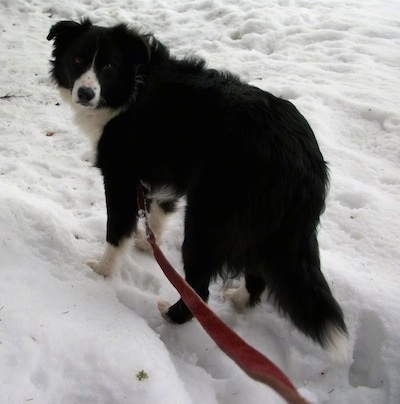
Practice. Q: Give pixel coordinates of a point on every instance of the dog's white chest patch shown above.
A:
(91, 120)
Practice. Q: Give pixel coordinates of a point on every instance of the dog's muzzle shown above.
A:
(85, 95)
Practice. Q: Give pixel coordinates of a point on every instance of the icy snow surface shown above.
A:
(69, 336)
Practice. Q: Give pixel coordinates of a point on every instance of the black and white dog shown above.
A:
(248, 163)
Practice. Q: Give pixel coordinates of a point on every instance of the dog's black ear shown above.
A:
(65, 32)
(135, 43)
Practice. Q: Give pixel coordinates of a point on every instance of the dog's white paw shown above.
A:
(92, 264)
(240, 297)
(163, 307)
(98, 268)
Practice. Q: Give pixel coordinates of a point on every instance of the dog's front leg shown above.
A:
(121, 203)
(109, 261)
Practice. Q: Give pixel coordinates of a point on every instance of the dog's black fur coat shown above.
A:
(248, 163)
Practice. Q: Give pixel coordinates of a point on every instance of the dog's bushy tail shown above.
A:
(305, 297)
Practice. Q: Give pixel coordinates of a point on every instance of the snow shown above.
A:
(68, 335)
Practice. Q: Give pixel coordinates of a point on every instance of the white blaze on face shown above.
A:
(88, 82)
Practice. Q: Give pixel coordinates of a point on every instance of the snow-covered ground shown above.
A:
(69, 336)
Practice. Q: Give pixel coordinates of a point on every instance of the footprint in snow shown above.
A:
(368, 368)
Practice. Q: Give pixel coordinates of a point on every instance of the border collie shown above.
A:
(247, 162)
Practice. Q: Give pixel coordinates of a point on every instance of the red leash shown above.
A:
(252, 362)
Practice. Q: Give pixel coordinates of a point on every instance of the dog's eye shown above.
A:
(108, 67)
(78, 60)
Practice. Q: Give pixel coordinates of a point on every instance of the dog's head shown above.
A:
(97, 66)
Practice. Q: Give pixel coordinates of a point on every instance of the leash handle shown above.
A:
(251, 361)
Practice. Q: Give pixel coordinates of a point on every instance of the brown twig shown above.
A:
(11, 95)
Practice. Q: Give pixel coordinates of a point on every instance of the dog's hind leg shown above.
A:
(200, 267)
(201, 253)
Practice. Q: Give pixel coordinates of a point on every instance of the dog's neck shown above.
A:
(90, 120)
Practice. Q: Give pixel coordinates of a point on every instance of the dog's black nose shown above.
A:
(85, 94)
